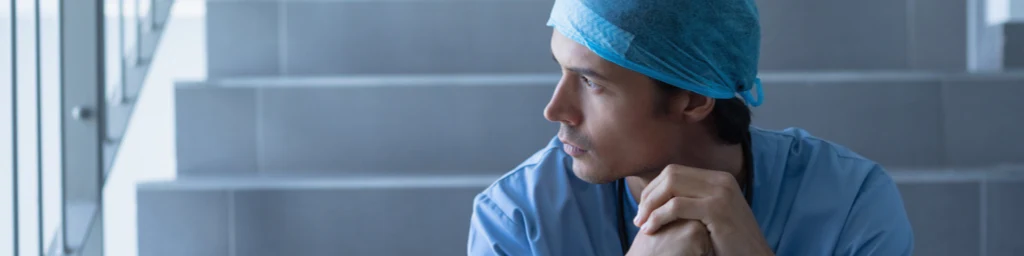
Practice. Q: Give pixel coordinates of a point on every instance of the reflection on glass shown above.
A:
(112, 27)
(131, 27)
(51, 120)
(145, 14)
(6, 152)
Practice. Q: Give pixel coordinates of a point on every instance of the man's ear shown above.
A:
(692, 107)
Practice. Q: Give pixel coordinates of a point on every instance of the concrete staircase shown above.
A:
(337, 127)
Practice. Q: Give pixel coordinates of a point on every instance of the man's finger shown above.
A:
(654, 183)
(657, 195)
(676, 209)
(681, 182)
(641, 214)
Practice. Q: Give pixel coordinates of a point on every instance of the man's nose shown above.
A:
(563, 105)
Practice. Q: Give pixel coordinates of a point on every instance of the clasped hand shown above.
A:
(691, 211)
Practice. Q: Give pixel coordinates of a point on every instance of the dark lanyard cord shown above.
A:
(748, 192)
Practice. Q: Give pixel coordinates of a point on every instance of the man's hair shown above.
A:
(730, 117)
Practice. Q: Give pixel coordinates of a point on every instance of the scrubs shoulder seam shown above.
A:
(512, 180)
(486, 200)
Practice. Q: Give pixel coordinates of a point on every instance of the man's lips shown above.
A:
(572, 149)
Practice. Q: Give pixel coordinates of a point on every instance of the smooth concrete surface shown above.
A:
(297, 37)
(1013, 58)
(468, 124)
(953, 212)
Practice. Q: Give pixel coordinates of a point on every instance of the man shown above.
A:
(656, 155)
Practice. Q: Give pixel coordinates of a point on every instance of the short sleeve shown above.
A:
(492, 232)
(877, 223)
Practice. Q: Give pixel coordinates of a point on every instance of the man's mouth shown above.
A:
(573, 150)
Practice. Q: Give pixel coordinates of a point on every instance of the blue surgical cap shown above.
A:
(709, 47)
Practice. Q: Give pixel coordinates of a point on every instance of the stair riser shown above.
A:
(305, 222)
(398, 37)
(949, 217)
(472, 129)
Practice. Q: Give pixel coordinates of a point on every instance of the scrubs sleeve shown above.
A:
(877, 223)
(492, 232)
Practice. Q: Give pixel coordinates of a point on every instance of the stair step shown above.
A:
(509, 36)
(351, 182)
(445, 128)
(950, 209)
(424, 125)
(316, 218)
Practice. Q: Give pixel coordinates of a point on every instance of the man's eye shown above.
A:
(590, 84)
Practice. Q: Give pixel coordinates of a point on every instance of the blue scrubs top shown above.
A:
(811, 197)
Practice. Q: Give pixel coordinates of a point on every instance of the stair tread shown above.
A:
(242, 182)
(321, 182)
(547, 78)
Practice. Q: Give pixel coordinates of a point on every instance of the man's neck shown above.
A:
(726, 158)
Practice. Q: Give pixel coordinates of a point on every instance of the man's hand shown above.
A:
(711, 197)
(679, 238)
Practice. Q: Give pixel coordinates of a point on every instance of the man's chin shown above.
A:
(592, 175)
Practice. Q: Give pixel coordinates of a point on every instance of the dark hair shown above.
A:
(730, 117)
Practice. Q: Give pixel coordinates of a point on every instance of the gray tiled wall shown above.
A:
(506, 36)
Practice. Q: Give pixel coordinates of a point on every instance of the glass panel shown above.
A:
(27, 128)
(6, 152)
(145, 15)
(50, 82)
(130, 30)
(81, 21)
(114, 68)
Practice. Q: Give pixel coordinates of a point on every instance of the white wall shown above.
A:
(147, 152)
(997, 11)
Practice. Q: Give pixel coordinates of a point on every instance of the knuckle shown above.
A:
(671, 177)
(722, 179)
(655, 218)
(676, 204)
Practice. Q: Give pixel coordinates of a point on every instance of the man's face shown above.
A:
(609, 121)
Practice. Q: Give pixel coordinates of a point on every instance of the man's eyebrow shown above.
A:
(587, 72)
(583, 71)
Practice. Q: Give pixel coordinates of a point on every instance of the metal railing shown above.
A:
(102, 50)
